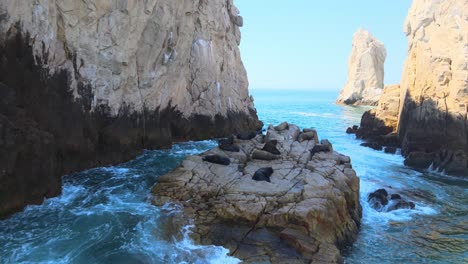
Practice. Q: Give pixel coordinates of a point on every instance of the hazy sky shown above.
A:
(305, 44)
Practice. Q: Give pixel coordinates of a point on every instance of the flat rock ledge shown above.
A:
(307, 212)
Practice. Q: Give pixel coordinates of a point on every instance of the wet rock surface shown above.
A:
(382, 201)
(304, 208)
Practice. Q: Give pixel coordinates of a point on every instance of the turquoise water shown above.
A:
(104, 214)
(436, 232)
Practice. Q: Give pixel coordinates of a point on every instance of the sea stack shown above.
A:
(432, 122)
(90, 83)
(365, 71)
(300, 207)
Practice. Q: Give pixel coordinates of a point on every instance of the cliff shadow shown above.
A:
(426, 134)
(45, 132)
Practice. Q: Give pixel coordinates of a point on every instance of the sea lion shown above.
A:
(226, 141)
(307, 136)
(229, 147)
(282, 126)
(217, 159)
(319, 148)
(246, 135)
(270, 147)
(274, 142)
(263, 174)
(263, 155)
(327, 143)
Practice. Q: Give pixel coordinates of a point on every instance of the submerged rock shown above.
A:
(293, 209)
(381, 201)
(352, 130)
(390, 150)
(372, 145)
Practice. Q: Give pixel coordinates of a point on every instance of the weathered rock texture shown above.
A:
(432, 113)
(379, 125)
(308, 211)
(87, 83)
(365, 71)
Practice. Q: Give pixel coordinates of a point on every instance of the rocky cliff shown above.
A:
(365, 71)
(87, 83)
(432, 110)
(279, 198)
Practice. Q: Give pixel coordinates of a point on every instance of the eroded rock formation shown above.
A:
(87, 83)
(307, 209)
(432, 112)
(365, 71)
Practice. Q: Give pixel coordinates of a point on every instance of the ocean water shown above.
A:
(104, 214)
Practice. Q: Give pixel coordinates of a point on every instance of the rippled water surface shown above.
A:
(436, 232)
(104, 214)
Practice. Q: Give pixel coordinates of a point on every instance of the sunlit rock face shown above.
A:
(87, 83)
(434, 87)
(269, 197)
(431, 117)
(141, 54)
(365, 71)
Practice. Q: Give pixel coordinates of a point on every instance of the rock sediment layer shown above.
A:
(365, 71)
(306, 210)
(89, 83)
(433, 102)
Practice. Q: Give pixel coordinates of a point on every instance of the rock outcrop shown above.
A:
(365, 71)
(379, 125)
(381, 201)
(432, 122)
(87, 83)
(301, 206)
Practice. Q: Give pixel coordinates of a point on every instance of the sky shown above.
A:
(305, 44)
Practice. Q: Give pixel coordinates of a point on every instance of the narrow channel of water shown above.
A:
(435, 232)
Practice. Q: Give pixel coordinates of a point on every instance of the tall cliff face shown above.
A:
(365, 71)
(432, 112)
(433, 118)
(86, 83)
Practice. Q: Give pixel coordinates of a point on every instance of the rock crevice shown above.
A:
(308, 209)
(93, 83)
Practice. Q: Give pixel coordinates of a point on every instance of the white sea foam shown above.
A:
(116, 170)
(210, 254)
(311, 114)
